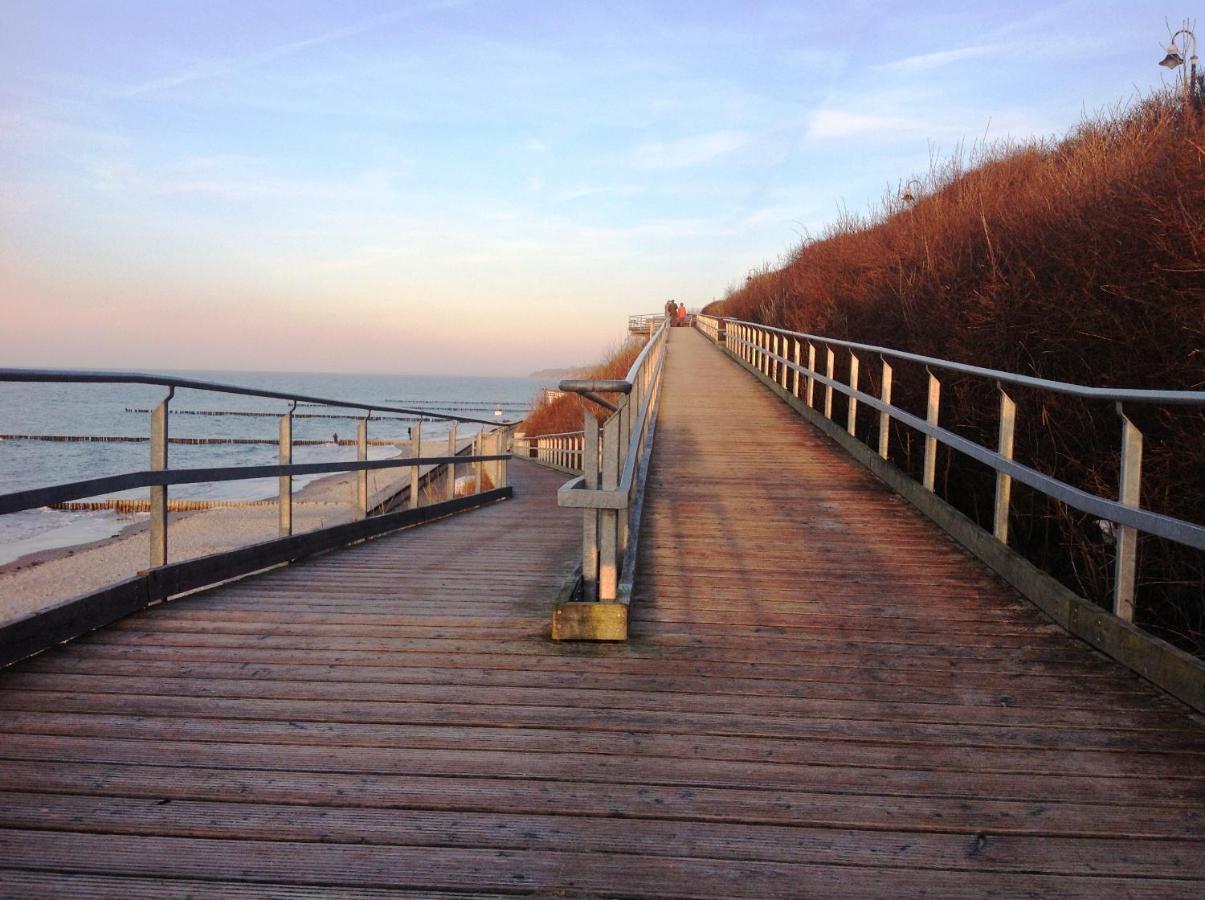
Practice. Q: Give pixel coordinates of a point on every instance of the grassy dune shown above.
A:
(565, 413)
(1077, 260)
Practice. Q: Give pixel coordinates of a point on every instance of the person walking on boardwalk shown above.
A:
(670, 310)
(681, 314)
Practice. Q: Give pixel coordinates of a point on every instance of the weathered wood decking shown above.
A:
(823, 697)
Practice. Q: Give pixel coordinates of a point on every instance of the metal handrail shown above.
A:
(83, 376)
(551, 434)
(1121, 395)
(561, 450)
(765, 349)
(35, 498)
(159, 476)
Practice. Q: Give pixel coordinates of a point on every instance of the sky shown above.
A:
(450, 186)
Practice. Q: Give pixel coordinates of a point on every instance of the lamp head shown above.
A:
(1173, 57)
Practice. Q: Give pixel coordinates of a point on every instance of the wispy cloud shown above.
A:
(926, 61)
(689, 151)
(839, 123)
(217, 68)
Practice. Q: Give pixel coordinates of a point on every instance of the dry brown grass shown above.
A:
(565, 412)
(1079, 260)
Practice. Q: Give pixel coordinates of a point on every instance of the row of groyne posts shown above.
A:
(432, 464)
(610, 462)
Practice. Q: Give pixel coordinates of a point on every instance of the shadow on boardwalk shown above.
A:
(823, 697)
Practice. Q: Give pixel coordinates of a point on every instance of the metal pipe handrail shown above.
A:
(82, 376)
(1121, 395)
(34, 498)
(551, 434)
(614, 385)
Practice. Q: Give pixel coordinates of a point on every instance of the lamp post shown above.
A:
(1175, 59)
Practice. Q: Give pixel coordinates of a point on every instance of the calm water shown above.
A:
(105, 410)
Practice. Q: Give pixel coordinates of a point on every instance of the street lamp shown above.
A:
(1175, 59)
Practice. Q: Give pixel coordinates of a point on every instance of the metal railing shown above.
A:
(644, 323)
(790, 360)
(489, 453)
(614, 465)
(715, 328)
(561, 451)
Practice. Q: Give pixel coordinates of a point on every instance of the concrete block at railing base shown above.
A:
(590, 622)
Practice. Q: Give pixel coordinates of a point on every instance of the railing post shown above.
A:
(811, 380)
(930, 470)
(479, 466)
(775, 343)
(362, 474)
(830, 367)
(504, 450)
(608, 542)
(852, 420)
(796, 358)
(285, 504)
(451, 473)
(884, 416)
(1127, 538)
(625, 434)
(590, 516)
(416, 448)
(783, 363)
(1004, 483)
(158, 530)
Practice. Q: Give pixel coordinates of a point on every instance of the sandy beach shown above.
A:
(42, 579)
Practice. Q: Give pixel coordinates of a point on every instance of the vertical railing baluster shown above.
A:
(158, 524)
(450, 479)
(884, 416)
(1004, 482)
(811, 378)
(1130, 493)
(785, 369)
(830, 368)
(796, 357)
(416, 449)
(362, 474)
(852, 419)
(931, 416)
(285, 482)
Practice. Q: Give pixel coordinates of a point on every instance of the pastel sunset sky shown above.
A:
(477, 187)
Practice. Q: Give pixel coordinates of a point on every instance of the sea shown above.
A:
(122, 410)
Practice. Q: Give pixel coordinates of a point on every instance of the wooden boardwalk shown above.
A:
(823, 697)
